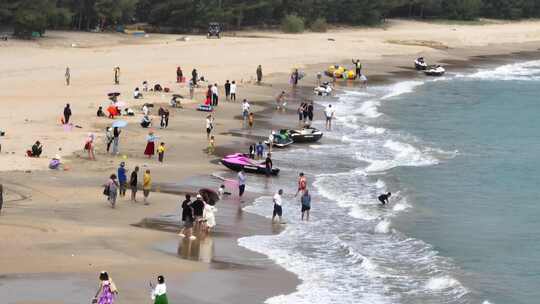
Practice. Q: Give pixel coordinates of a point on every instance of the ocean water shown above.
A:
(460, 155)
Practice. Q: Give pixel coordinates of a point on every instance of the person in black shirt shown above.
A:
(198, 210)
(227, 90)
(187, 218)
(310, 113)
(383, 198)
(194, 76)
(133, 184)
(67, 114)
(268, 164)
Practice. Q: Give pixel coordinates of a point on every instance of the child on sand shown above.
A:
(161, 152)
(251, 120)
(147, 185)
(211, 145)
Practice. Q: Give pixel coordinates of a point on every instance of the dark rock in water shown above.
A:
(28, 171)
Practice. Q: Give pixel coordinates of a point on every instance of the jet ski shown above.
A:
(436, 70)
(280, 140)
(420, 64)
(324, 89)
(239, 161)
(305, 135)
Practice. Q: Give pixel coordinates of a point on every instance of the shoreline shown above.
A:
(391, 71)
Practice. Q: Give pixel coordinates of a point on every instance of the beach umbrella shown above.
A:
(177, 96)
(113, 94)
(119, 124)
(210, 196)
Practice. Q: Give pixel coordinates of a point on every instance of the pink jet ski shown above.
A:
(239, 161)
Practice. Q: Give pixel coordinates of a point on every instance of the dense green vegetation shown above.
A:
(26, 16)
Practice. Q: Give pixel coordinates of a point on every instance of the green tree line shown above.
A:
(186, 15)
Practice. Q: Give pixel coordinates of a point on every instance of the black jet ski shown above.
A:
(305, 135)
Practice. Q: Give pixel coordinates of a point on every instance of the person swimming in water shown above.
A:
(383, 198)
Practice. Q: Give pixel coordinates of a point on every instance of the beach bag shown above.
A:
(106, 191)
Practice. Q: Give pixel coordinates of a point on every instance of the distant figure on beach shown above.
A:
(306, 204)
(35, 150)
(309, 110)
(137, 93)
(241, 183)
(191, 89)
(209, 217)
(251, 120)
(209, 125)
(259, 74)
(211, 145)
(383, 198)
(150, 144)
(319, 79)
(99, 112)
(278, 201)
(194, 76)
(208, 101)
(159, 293)
(161, 152)
(133, 181)
(117, 75)
(227, 90)
(252, 151)
(187, 218)
(145, 86)
(147, 185)
(245, 110)
(146, 121)
(107, 290)
(233, 90)
(302, 184)
(67, 113)
(179, 75)
(301, 109)
(215, 95)
(198, 211)
(259, 149)
(122, 179)
(268, 164)
(89, 146)
(164, 115)
(111, 190)
(280, 100)
(116, 141)
(68, 76)
(294, 78)
(357, 66)
(329, 114)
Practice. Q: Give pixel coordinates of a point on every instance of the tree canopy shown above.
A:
(187, 15)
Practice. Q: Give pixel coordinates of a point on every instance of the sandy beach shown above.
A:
(58, 231)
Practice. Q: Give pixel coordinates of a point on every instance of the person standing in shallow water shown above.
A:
(241, 183)
(278, 211)
(383, 198)
(306, 204)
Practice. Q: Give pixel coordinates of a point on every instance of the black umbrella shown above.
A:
(209, 196)
(113, 94)
(177, 96)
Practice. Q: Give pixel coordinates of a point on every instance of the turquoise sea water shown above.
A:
(461, 157)
(480, 208)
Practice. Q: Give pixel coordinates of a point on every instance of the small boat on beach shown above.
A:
(239, 161)
(280, 140)
(420, 64)
(436, 70)
(305, 135)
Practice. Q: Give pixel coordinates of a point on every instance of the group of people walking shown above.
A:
(118, 184)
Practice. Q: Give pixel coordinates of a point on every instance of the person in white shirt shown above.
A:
(215, 95)
(137, 94)
(233, 91)
(159, 293)
(245, 109)
(278, 211)
(145, 110)
(329, 114)
(209, 125)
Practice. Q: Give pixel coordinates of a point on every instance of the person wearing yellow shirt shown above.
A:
(147, 185)
(161, 152)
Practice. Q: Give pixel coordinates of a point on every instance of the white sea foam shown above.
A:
(383, 226)
(524, 71)
(401, 88)
(442, 283)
